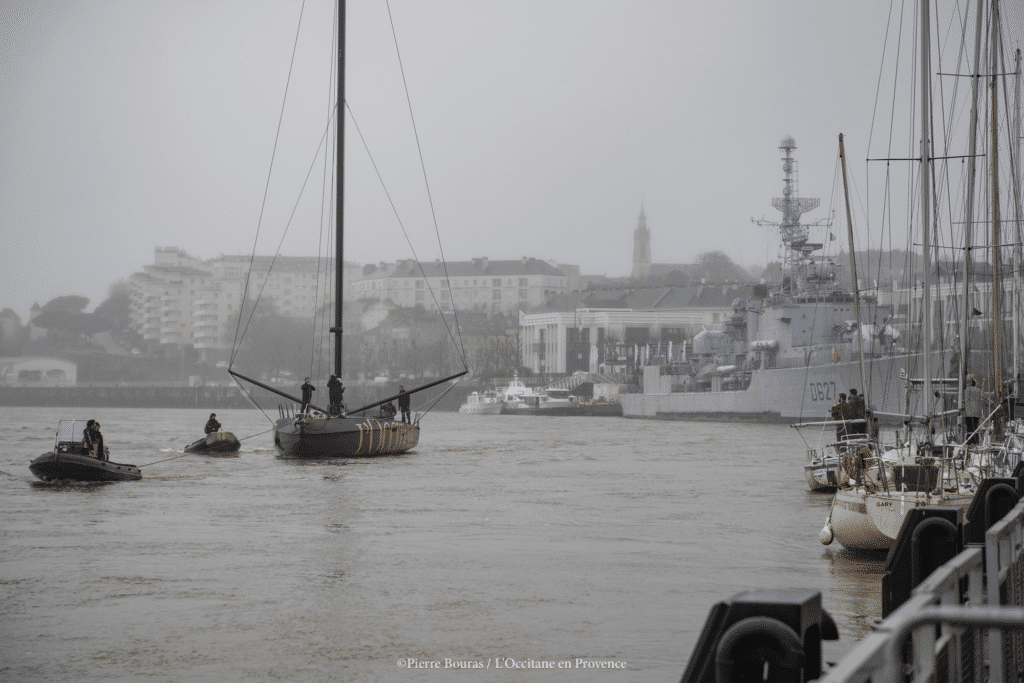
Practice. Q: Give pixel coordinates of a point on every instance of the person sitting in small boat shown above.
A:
(212, 425)
(335, 393)
(387, 410)
(93, 440)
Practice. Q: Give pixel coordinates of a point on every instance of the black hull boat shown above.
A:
(77, 467)
(308, 436)
(70, 460)
(334, 433)
(217, 443)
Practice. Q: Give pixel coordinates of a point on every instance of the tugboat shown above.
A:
(70, 459)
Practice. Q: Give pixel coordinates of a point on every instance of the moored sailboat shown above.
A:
(931, 463)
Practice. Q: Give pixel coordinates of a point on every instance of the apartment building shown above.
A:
(479, 285)
(182, 301)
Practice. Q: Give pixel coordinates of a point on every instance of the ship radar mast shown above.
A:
(797, 249)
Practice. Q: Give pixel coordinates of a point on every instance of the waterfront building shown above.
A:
(37, 372)
(479, 285)
(600, 331)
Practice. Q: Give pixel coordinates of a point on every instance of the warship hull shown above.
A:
(783, 395)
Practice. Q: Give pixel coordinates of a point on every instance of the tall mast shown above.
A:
(339, 241)
(993, 50)
(926, 227)
(1015, 188)
(853, 270)
(967, 306)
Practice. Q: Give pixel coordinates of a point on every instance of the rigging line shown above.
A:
(878, 86)
(266, 188)
(160, 461)
(430, 404)
(249, 397)
(251, 436)
(287, 227)
(401, 226)
(426, 183)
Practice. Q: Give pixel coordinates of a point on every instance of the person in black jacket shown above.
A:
(307, 395)
(403, 404)
(93, 440)
(336, 392)
(212, 425)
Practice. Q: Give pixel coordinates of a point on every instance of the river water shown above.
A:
(499, 539)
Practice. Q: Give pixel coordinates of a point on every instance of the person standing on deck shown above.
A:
(335, 392)
(973, 408)
(841, 412)
(859, 412)
(307, 395)
(403, 404)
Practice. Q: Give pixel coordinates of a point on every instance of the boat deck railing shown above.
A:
(965, 622)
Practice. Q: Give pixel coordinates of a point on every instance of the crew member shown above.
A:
(841, 412)
(212, 425)
(307, 395)
(403, 404)
(335, 392)
(859, 413)
(93, 440)
(387, 410)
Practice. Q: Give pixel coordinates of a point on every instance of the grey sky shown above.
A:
(130, 125)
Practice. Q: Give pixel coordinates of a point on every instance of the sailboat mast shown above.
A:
(926, 228)
(1018, 258)
(853, 269)
(994, 157)
(339, 217)
(972, 152)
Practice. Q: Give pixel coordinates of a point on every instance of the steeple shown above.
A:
(641, 247)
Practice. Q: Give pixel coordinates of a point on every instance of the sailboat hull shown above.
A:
(851, 524)
(343, 437)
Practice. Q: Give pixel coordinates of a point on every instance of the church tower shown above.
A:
(641, 248)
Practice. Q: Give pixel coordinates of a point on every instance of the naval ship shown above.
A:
(787, 351)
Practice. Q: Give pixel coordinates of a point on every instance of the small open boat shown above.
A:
(70, 461)
(216, 443)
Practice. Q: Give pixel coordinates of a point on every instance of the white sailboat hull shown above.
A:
(852, 525)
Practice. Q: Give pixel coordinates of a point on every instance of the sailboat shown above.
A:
(927, 466)
(318, 432)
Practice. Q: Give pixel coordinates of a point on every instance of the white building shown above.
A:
(38, 372)
(182, 301)
(477, 285)
(587, 331)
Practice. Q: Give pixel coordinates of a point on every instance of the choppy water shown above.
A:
(500, 537)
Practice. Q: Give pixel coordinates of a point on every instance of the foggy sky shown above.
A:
(125, 126)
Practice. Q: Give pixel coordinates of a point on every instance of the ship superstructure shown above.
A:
(787, 351)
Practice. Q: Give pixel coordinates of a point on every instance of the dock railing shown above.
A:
(939, 633)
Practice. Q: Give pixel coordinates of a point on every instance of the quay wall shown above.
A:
(125, 396)
(179, 395)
